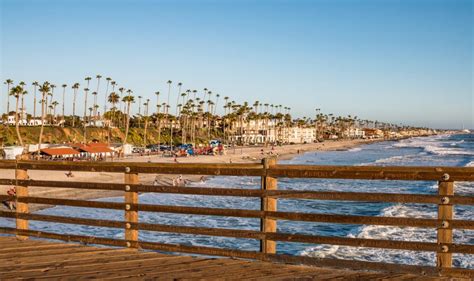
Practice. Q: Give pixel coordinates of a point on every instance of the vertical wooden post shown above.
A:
(131, 213)
(445, 231)
(21, 208)
(268, 204)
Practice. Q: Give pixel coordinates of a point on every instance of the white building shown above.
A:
(11, 152)
(301, 135)
(12, 121)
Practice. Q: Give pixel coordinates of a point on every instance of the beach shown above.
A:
(251, 154)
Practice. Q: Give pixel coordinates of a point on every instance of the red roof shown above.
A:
(98, 144)
(98, 149)
(59, 151)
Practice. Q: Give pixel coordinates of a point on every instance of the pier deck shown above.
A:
(42, 259)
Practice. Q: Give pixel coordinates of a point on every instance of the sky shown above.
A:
(403, 61)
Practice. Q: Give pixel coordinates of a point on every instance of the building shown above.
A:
(11, 152)
(301, 134)
(59, 152)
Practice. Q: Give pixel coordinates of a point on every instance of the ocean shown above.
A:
(441, 150)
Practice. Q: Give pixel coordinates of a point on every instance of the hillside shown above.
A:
(58, 135)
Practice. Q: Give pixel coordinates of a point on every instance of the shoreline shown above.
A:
(238, 155)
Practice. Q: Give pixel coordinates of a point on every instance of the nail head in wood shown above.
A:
(444, 248)
(445, 177)
(445, 224)
(445, 200)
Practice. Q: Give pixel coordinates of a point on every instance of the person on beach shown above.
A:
(11, 204)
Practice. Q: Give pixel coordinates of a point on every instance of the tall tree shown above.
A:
(22, 111)
(44, 89)
(108, 79)
(35, 86)
(16, 92)
(64, 94)
(98, 76)
(75, 87)
(146, 121)
(8, 82)
(139, 110)
(54, 104)
(113, 99)
(86, 90)
(127, 100)
(51, 95)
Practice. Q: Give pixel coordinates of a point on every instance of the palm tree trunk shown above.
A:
(42, 125)
(74, 108)
(17, 124)
(34, 104)
(127, 125)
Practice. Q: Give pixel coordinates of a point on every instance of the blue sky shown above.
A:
(397, 61)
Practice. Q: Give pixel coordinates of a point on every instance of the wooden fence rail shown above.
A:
(268, 215)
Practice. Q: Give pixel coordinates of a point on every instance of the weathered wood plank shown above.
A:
(373, 172)
(268, 204)
(131, 215)
(21, 208)
(444, 258)
(98, 267)
(153, 168)
(75, 259)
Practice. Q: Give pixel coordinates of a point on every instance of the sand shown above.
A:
(239, 155)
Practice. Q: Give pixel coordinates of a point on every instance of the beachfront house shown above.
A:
(301, 134)
(11, 152)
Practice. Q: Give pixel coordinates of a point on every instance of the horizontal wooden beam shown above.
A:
(373, 266)
(370, 243)
(257, 193)
(223, 232)
(250, 234)
(373, 172)
(137, 167)
(310, 217)
(255, 169)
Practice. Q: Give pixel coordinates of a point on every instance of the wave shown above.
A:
(355, 149)
(400, 234)
(440, 150)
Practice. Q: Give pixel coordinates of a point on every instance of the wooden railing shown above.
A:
(269, 171)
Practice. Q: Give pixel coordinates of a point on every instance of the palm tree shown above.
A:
(8, 82)
(35, 85)
(22, 84)
(94, 105)
(139, 110)
(127, 100)
(98, 76)
(53, 105)
(106, 93)
(113, 99)
(74, 87)
(64, 93)
(168, 102)
(16, 92)
(157, 107)
(146, 120)
(51, 94)
(121, 90)
(44, 89)
(86, 90)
